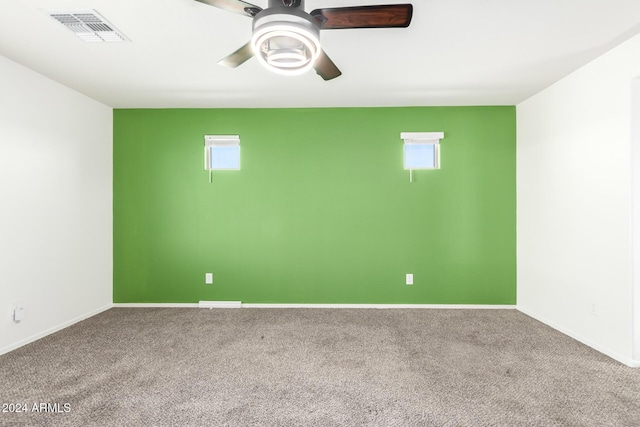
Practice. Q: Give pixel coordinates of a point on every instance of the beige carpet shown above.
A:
(315, 367)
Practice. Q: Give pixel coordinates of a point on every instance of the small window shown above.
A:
(221, 152)
(421, 155)
(421, 150)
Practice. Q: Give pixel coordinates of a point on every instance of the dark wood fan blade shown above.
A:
(235, 6)
(238, 57)
(382, 16)
(325, 67)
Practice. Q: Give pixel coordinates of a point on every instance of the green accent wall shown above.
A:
(321, 211)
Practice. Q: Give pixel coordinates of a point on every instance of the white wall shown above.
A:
(635, 220)
(574, 192)
(55, 205)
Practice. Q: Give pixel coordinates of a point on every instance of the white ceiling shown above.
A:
(455, 52)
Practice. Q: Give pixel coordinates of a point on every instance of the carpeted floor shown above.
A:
(315, 367)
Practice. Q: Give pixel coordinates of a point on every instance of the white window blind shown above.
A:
(421, 150)
(221, 152)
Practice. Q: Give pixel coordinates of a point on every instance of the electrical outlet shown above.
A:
(409, 279)
(18, 314)
(208, 279)
(594, 309)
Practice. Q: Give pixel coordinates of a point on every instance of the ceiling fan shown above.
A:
(286, 39)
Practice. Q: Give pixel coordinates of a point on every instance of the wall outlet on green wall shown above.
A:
(208, 279)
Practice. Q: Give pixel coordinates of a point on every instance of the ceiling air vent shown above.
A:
(89, 26)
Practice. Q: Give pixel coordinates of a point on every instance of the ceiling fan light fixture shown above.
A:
(286, 58)
(285, 43)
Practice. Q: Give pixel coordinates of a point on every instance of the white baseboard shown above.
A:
(224, 304)
(52, 330)
(220, 304)
(154, 305)
(620, 358)
(379, 306)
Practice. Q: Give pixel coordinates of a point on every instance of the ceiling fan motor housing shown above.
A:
(286, 39)
(297, 4)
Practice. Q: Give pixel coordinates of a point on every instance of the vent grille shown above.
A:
(89, 26)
